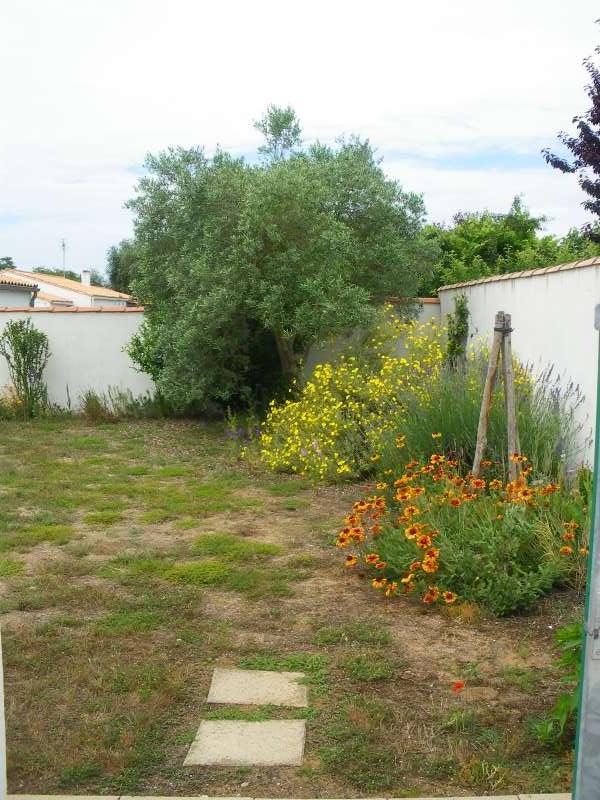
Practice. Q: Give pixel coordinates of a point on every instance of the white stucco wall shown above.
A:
(16, 298)
(553, 321)
(87, 351)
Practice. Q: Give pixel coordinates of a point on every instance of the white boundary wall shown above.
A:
(553, 320)
(87, 348)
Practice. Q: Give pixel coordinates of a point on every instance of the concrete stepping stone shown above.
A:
(257, 687)
(232, 743)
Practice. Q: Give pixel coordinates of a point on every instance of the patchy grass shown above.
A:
(9, 566)
(234, 548)
(523, 678)
(102, 518)
(129, 622)
(138, 556)
(353, 633)
(367, 667)
(289, 487)
(27, 537)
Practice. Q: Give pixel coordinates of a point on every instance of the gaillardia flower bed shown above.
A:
(447, 536)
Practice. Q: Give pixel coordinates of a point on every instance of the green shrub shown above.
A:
(26, 352)
(458, 332)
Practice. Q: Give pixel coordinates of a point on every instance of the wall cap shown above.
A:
(73, 310)
(528, 273)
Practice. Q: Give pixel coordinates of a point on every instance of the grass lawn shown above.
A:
(136, 557)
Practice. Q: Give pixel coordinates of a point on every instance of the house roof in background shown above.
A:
(8, 278)
(67, 283)
(528, 273)
(54, 298)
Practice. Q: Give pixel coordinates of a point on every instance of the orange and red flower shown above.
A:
(411, 511)
(429, 565)
(431, 595)
(412, 531)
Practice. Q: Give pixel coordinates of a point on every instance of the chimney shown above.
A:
(85, 277)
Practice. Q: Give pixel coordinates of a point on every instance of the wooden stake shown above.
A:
(510, 400)
(488, 389)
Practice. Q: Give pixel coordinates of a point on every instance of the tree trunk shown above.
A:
(287, 356)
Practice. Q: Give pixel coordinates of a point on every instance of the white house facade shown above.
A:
(15, 291)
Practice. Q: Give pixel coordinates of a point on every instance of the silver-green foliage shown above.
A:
(242, 266)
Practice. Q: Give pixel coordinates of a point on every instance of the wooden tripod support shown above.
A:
(501, 344)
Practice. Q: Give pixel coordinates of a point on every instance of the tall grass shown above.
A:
(550, 434)
(116, 404)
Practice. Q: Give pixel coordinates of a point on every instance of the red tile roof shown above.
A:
(9, 278)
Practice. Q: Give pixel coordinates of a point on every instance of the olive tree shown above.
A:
(242, 267)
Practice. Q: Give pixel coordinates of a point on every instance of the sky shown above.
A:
(458, 97)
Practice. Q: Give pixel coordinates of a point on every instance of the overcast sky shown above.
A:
(459, 98)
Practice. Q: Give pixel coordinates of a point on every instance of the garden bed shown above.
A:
(138, 556)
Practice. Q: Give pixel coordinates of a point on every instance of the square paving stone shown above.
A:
(242, 744)
(257, 687)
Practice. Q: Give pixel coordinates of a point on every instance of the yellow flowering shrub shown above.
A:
(335, 428)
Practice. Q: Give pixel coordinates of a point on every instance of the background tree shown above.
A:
(584, 146)
(243, 267)
(6, 262)
(482, 244)
(120, 265)
(282, 131)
